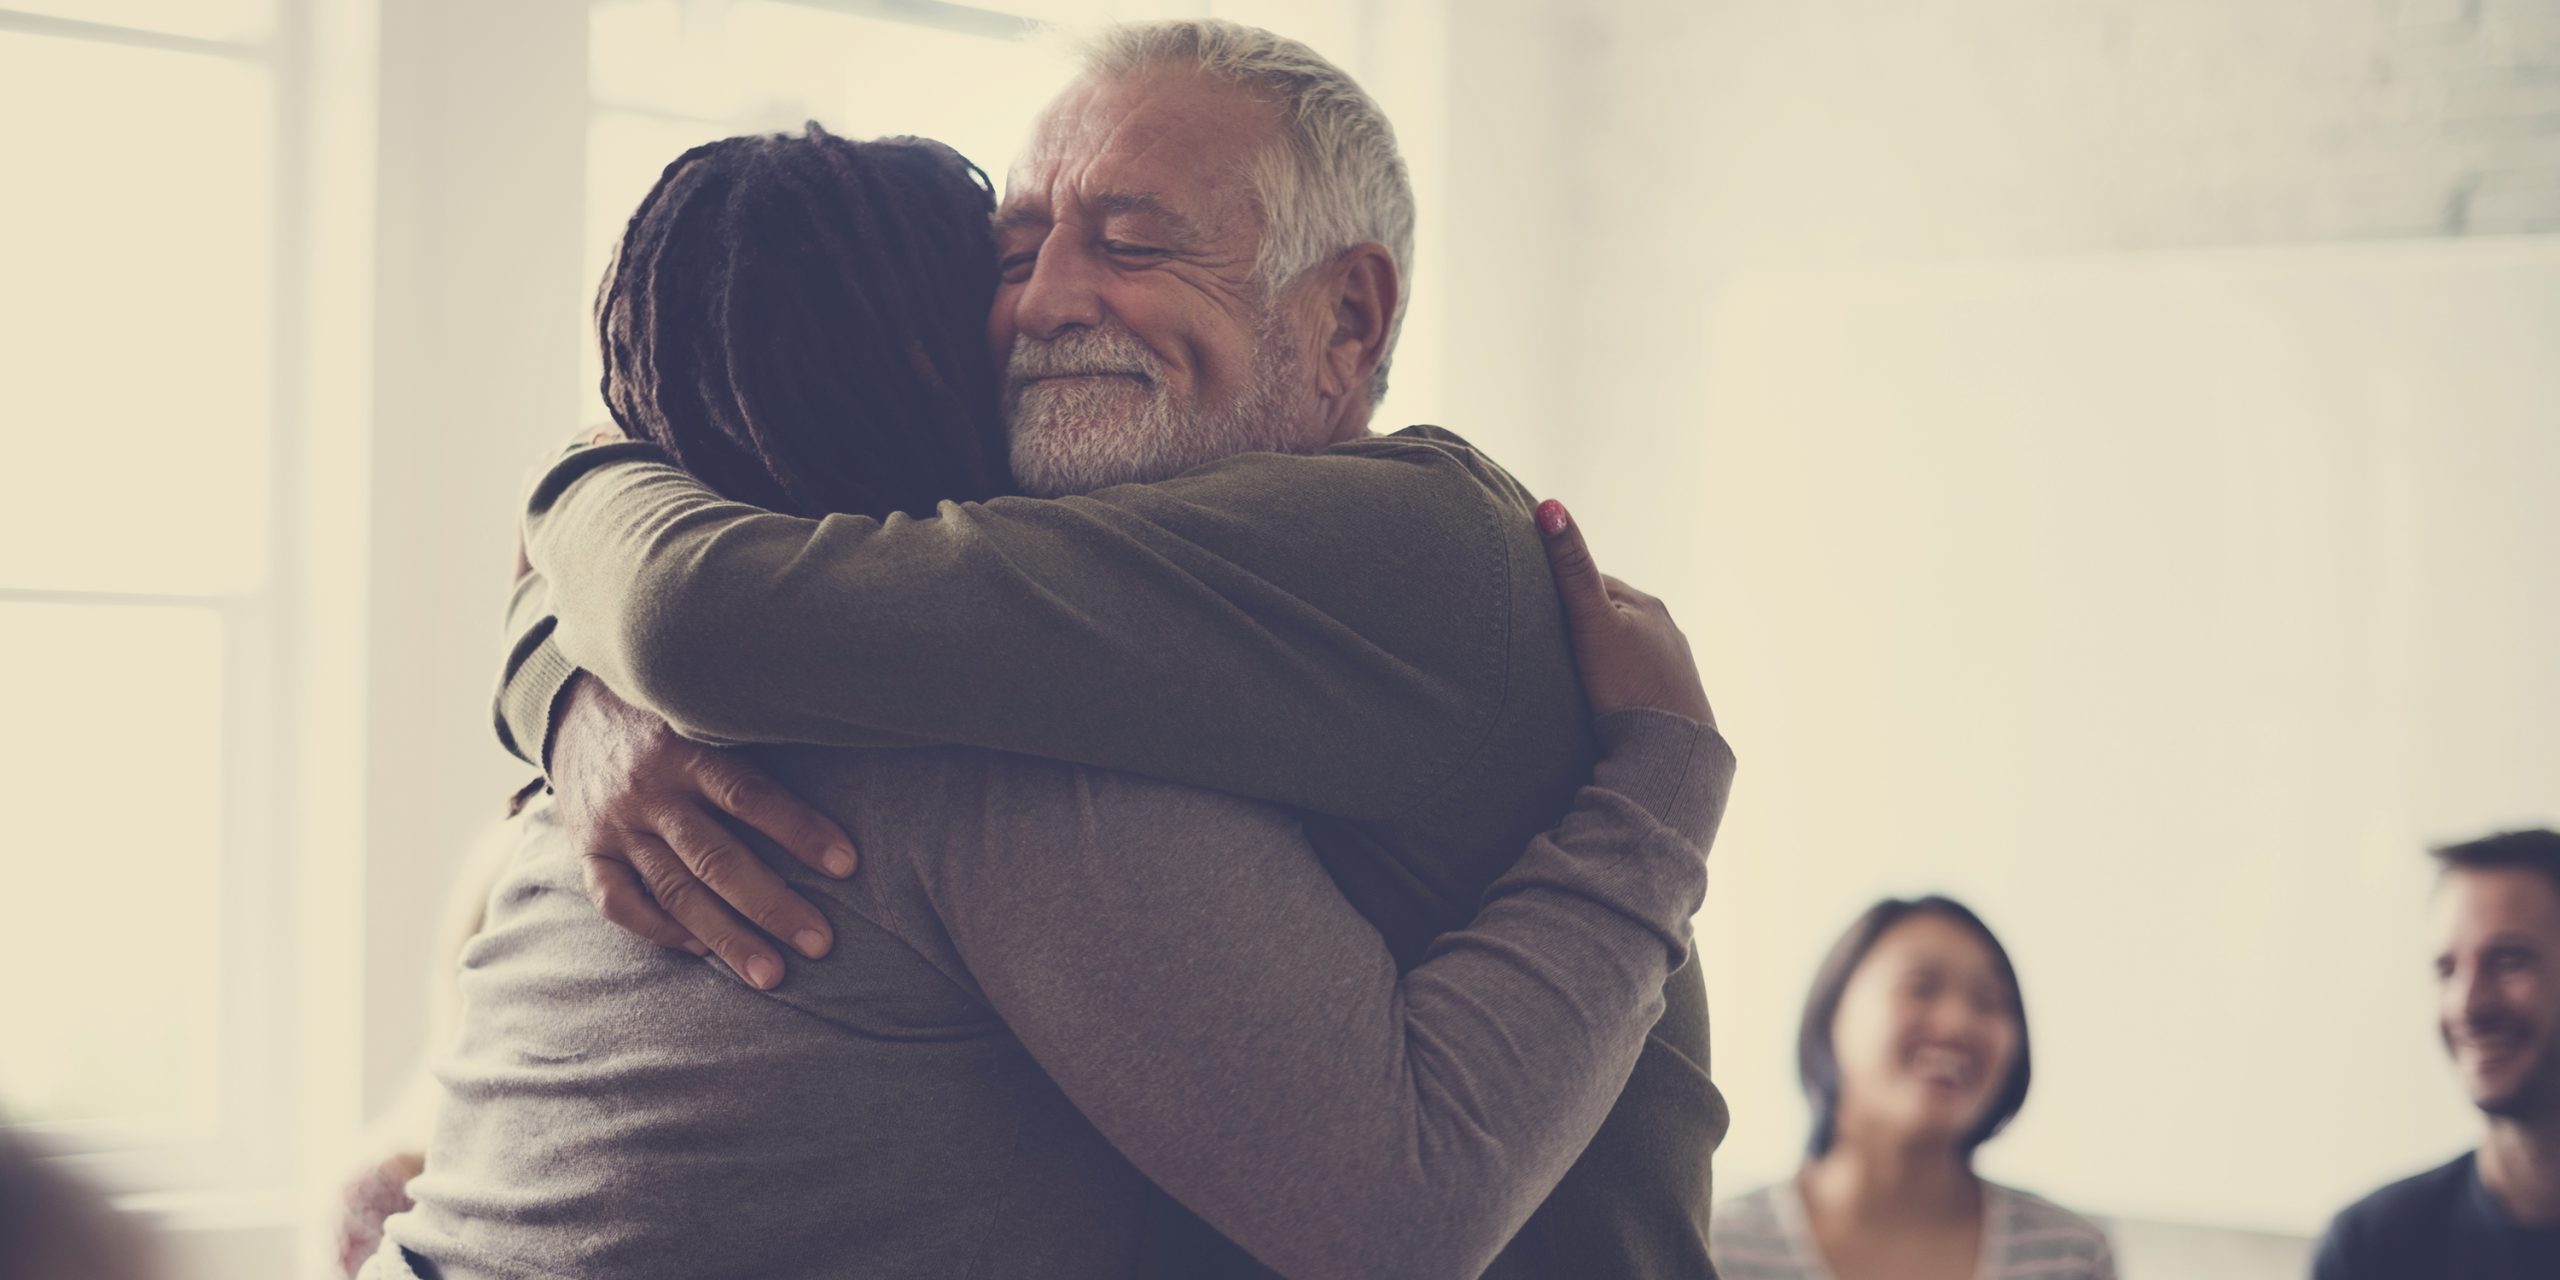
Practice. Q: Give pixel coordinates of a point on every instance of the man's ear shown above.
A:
(1364, 288)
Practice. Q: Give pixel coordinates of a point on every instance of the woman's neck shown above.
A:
(1880, 1181)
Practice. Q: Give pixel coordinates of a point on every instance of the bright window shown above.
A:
(140, 262)
(233, 20)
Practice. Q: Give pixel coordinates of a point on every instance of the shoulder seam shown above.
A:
(1499, 642)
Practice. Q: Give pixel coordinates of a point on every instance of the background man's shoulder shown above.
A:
(2434, 1193)
(2396, 1225)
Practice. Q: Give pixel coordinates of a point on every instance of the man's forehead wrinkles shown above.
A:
(1115, 202)
(1022, 213)
(1151, 135)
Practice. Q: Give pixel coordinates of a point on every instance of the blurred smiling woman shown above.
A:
(1913, 1053)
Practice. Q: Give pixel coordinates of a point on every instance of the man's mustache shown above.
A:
(1084, 352)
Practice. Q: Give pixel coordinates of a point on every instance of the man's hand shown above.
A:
(644, 807)
(1630, 652)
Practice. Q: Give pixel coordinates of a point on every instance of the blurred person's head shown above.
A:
(55, 1227)
(1914, 1032)
(799, 321)
(2498, 971)
(1205, 253)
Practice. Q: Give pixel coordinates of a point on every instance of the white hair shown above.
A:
(1335, 180)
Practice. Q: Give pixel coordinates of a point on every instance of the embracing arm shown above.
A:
(1243, 1036)
(700, 789)
(535, 672)
(1232, 1026)
(1326, 631)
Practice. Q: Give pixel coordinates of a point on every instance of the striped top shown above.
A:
(1766, 1235)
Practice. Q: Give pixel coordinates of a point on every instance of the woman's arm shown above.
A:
(1242, 1035)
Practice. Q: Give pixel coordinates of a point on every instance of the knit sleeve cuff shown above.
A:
(1677, 769)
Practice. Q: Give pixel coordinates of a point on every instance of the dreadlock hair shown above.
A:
(800, 321)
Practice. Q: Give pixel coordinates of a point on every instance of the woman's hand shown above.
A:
(1630, 653)
(369, 1198)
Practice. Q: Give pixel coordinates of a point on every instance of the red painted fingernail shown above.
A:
(1551, 518)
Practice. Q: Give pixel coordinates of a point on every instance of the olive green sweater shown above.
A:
(1368, 635)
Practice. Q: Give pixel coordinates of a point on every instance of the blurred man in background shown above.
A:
(2493, 1213)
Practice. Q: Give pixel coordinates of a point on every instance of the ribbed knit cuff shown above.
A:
(530, 702)
(1675, 768)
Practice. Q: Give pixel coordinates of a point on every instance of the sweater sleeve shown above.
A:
(1236, 1030)
(533, 676)
(1325, 631)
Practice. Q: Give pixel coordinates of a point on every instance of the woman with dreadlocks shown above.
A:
(1053, 989)
(800, 323)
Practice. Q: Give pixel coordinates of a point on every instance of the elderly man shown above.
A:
(1204, 260)
(2493, 1213)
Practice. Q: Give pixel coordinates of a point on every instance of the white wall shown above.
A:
(1691, 140)
(1864, 350)
(481, 181)
(1829, 128)
(2164, 609)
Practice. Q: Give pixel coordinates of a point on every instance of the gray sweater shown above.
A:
(1052, 984)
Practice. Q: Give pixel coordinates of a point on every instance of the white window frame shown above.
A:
(257, 743)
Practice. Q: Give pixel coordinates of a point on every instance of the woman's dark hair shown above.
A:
(800, 321)
(1818, 1064)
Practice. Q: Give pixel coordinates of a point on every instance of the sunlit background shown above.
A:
(2103, 450)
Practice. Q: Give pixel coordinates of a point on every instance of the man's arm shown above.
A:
(1236, 1030)
(534, 674)
(1325, 631)
(697, 790)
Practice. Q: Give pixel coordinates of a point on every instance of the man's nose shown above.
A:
(1063, 293)
(2474, 996)
(2482, 1000)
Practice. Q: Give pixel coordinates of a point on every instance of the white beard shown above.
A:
(1083, 434)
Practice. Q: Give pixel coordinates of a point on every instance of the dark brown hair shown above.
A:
(800, 321)
(2533, 850)
(1818, 1063)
